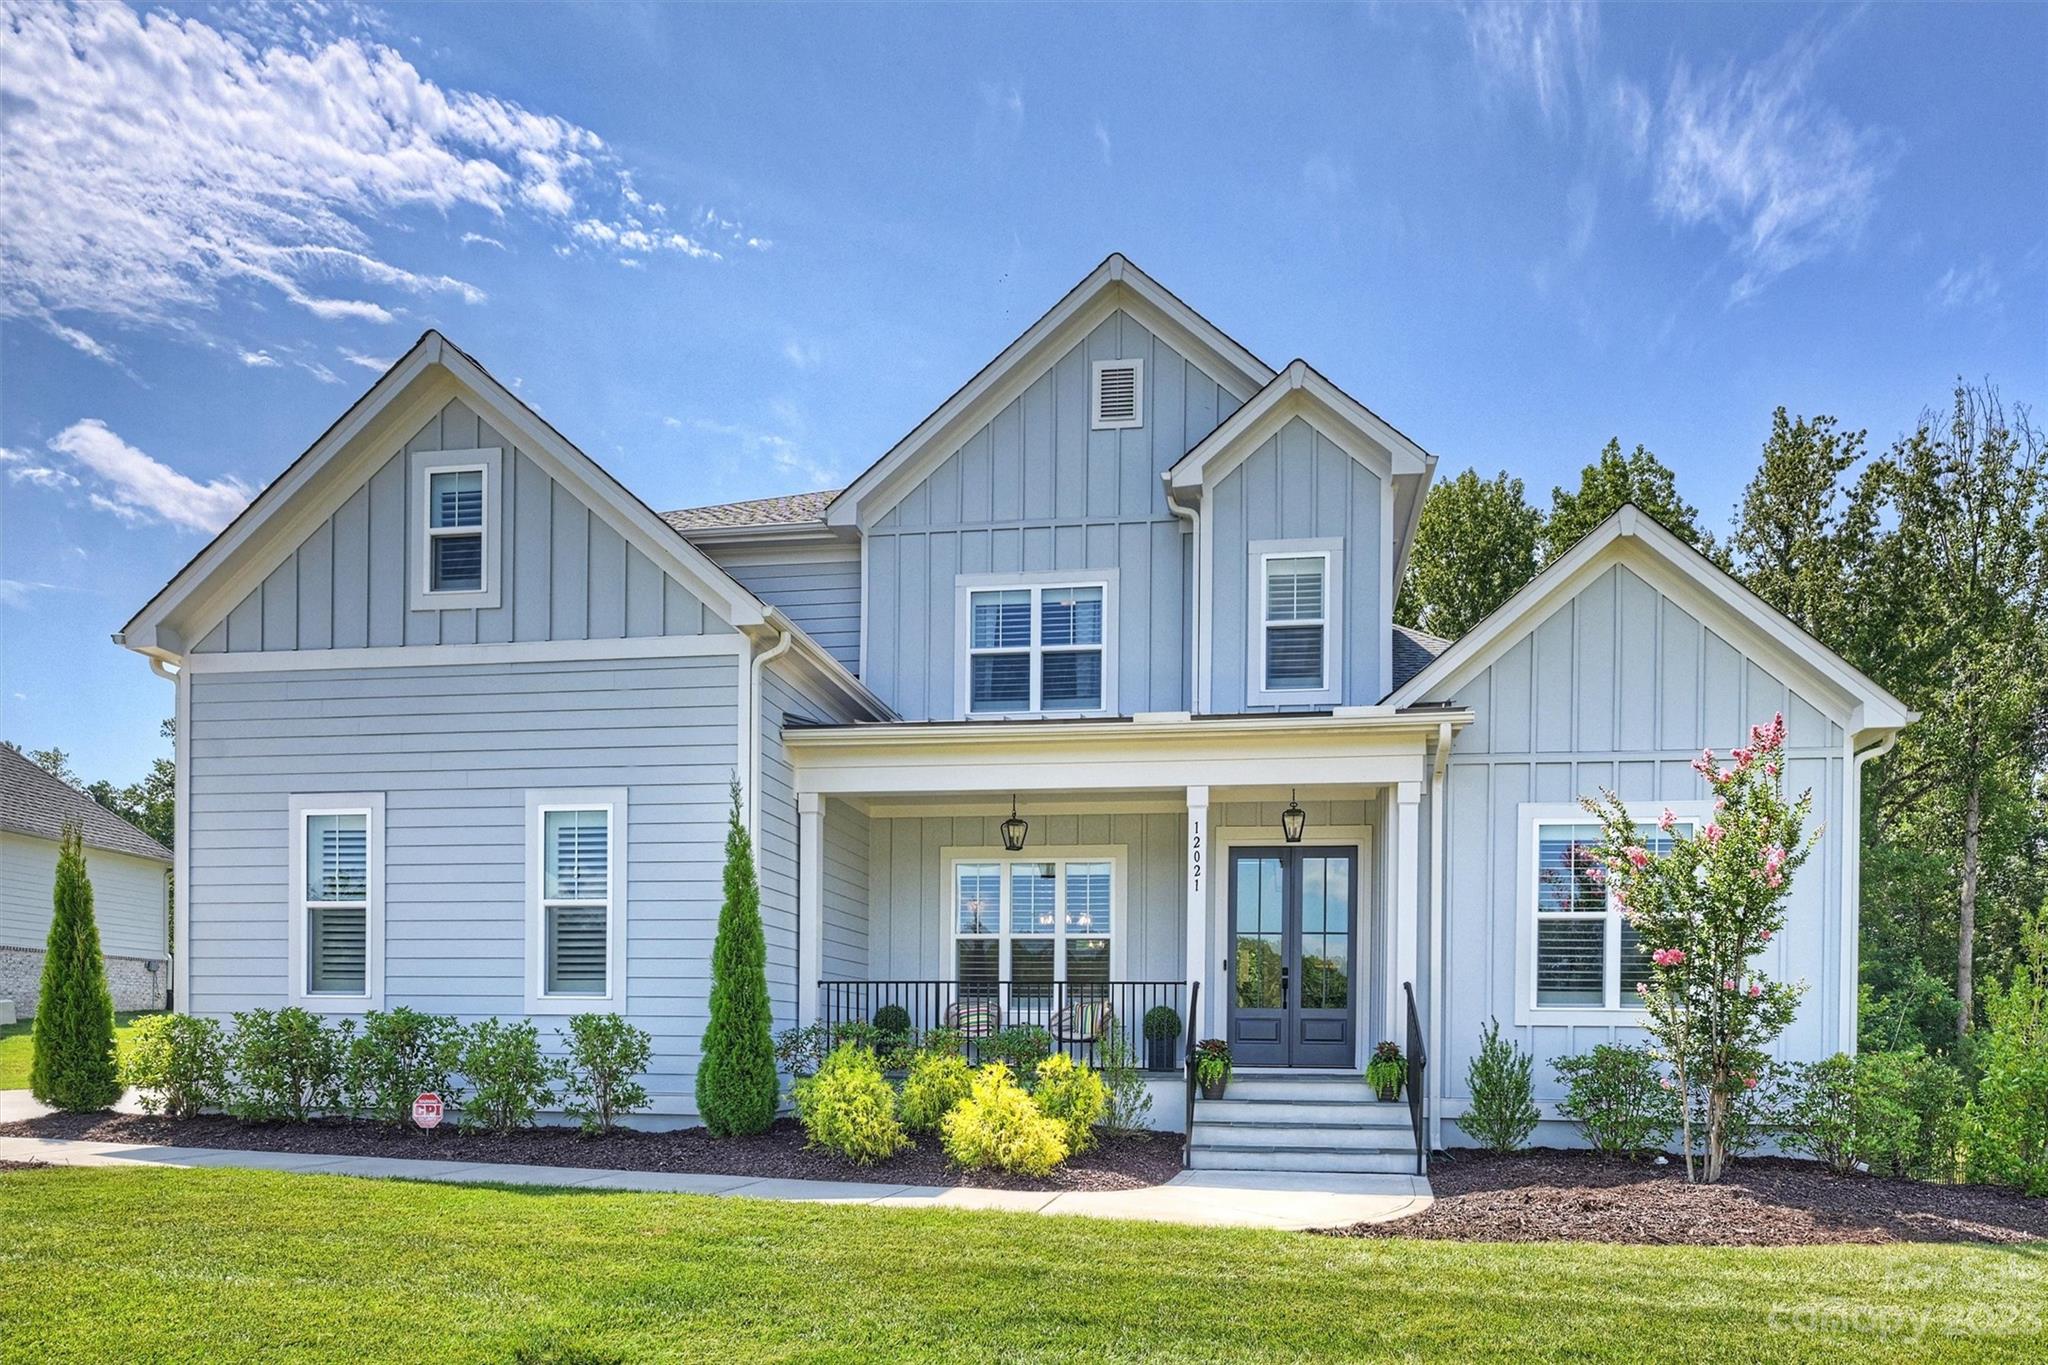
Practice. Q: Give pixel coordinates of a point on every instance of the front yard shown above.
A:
(226, 1265)
(17, 1048)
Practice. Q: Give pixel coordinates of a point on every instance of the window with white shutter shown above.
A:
(1584, 955)
(1118, 397)
(1296, 623)
(1037, 649)
(456, 539)
(336, 890)
(576, 882)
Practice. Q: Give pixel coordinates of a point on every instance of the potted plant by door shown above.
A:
(1387, 1072)
(1162, 1027)
(1212, 1067)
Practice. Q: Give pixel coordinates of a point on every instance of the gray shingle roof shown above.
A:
(33, 802)
(1413, 652)
(787, 510)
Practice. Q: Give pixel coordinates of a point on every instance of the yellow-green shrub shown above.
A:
(849, 1107)
(935, 1084)
(1073, 1097)
(998, 1126)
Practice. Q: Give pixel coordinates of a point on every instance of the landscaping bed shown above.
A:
(1548, 1195)
(1115, 1163)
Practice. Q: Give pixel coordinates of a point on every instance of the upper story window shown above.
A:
(457, 537)
(1036, 648)
(1293, 654)
(336, 934)
(1117, 395)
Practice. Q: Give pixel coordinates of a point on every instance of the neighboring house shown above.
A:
(131, 890)
(457, 713)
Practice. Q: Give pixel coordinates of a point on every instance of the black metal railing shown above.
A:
(1187, 1132)
(1077, 1016)
(1418, 1058)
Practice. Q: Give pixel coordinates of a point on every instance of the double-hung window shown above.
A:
(1295, 646)
(1033, 922)
(576, 936)
(1037, 649)
(336, 934)
(1582, 952)
(457, 538)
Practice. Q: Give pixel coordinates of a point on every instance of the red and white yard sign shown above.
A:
(426, 1110)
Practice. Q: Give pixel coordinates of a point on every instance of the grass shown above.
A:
(226, 1265)
(17, 1047)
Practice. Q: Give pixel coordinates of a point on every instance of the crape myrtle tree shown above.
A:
(1705, 910)
(737, 1087)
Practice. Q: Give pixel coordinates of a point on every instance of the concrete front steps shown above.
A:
(1301, 1121)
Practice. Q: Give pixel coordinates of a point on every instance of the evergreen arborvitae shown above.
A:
(737, 1086)
(73, 1066)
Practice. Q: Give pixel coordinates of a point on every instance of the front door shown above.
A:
(1293, 956)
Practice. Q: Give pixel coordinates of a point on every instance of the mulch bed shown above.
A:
(1548, 1195)
(1115, 1163)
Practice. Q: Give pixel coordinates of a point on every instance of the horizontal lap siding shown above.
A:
(1620, 688)
(564, 572)
(821, 595)
(128, 899)
(455, 750)
(1037, 490)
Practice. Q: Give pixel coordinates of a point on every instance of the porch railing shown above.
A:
(1418, 1058)
(1076, 1016)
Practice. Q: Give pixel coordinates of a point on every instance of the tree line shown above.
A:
(1924, 564)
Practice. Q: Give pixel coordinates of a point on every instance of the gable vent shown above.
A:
(1119, 395)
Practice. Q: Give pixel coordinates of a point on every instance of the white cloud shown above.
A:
(1976, 286)
(479, 239)
(368, 362)
(137, 488)
(1102, 143)
(15, 592)
(259, 360)
(805, 355)
(152, 161)
(1546, 50)
(784, 453)
(1325, 176)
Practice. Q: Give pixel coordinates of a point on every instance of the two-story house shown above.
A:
(1084, 699)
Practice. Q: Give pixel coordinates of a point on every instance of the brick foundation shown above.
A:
(21, 975)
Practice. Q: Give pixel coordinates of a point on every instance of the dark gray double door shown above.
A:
(1293, 956)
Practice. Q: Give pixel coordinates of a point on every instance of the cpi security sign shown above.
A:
(426, 1110)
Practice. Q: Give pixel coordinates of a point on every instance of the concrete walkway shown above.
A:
(1247, 1199)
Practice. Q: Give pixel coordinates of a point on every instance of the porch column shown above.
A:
(1405, 940)
(810, 903)
(1198, 901)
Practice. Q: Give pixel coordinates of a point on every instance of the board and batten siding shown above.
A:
(820, 591)
(1036, 490)
(1619, 688)
(1298, 485)
(129, 897)
(454, 749)
(564, 572)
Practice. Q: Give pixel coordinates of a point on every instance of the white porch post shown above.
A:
(1406, 924)
(810, 903)
(1198, 901)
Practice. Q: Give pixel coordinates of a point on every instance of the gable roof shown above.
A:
(34, 802)
(789, 509)
(1116, 283)
(1632, 537)
(1414, 651)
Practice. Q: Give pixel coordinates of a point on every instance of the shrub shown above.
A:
(998, 1127)
(799, 1050)
(72, 1049)
(737, 1085)
(1821, 1120)
(285, 1065)
(1909, 1114)
(178, 1062)
(1502, 1111)
(1072, 1096)
(1130, 1099)
(849, 1108)
(600, 1074)
(1021, 1047)
(893, 1021)
(944, 1042)
(1619, 1098)
(1162, 1024)
(399, 1055)
(508, 1078)
(935, 1084)
(2009, 1119)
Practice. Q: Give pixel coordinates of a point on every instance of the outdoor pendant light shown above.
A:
(1293, 820)
(1014, 829)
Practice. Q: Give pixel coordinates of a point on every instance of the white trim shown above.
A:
(832, 550)
(1037, 583)
(618, 887)
(1529, 816)
(810, 903)
(445, 656)
(1117, 855)
(488, 462)
(1259, 555)
(299, 807)
(1096, 421)
(181, 834)
(1300, 391)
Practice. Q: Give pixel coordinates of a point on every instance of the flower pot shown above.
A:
(1388, 1093)
(1213, 1090)
(1159, 1054)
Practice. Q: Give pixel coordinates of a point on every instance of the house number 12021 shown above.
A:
(1195, 855)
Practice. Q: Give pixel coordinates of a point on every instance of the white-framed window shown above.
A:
(1580, 958)
(1295, 590)
(576, 899)
(457, 541)
(1037, 645)
(336, 871)
(1116, 395)
(1033, 921)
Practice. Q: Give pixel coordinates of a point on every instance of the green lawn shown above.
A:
(230, 1265)
(16, 1048)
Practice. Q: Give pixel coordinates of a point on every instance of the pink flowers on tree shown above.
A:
(1705, 908)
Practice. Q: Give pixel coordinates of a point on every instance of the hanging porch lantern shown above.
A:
(1293, 820)
(1014, 829)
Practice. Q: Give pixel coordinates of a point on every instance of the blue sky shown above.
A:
(740, 251)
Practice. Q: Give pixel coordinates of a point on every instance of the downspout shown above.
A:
(179, 992)
(1193, 518)
(755, 711)
(1444, 737)
(1852, 886)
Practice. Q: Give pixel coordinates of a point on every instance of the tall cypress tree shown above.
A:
(73, 1063)
(737, 1087)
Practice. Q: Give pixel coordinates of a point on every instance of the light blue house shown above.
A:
(457, 713)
